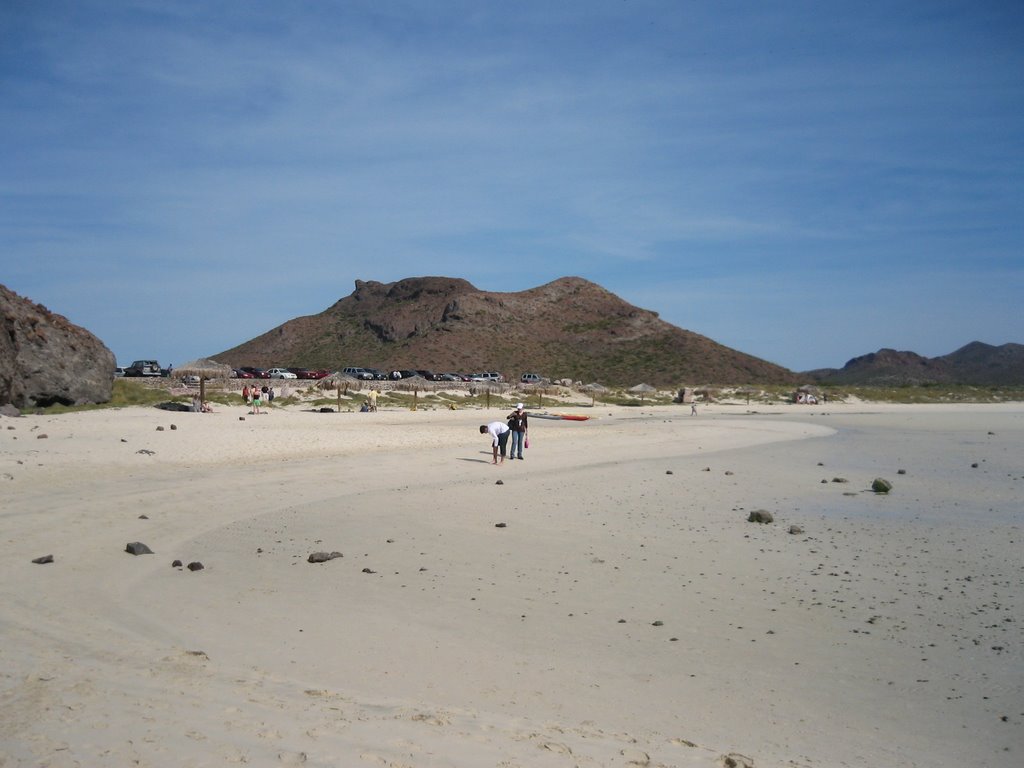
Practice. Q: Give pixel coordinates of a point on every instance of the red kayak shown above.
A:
(561, 416)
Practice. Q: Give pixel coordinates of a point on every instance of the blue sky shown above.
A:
(802, 181)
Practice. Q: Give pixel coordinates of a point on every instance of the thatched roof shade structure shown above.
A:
(642, 389)
(204, 368)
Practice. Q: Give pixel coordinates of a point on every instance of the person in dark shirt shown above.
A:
(519, 424)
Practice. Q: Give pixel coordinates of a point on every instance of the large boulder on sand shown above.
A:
(47, 360)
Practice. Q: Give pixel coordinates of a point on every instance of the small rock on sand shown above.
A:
(881, 485)
(323, 557)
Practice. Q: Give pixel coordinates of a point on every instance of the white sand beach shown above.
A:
(606, 604)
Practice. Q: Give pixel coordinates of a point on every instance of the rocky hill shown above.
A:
(47, 360)
(569, 328)
(975, 364)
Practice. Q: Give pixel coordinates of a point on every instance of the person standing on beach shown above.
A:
(499, 433)
(256, 394)
(245, 394)
(519, 425)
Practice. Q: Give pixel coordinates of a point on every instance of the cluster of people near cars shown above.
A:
(256, 397)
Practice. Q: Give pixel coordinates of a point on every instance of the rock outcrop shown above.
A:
(47, 360)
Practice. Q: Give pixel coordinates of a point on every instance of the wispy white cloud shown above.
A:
(270, 154)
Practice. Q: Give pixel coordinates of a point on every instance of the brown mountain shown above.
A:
(568, 328)
(976, 364)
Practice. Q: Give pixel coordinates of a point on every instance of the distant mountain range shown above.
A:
(975, 364)
(569, 328)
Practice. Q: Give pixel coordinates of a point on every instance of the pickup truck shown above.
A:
(143, 368)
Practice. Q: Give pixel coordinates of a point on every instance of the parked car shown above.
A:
(426, 374)
(143, 368)
(449, 377)
(118, 372)
(490, 376)
(358, 373)
(240, 373)
(377, 374)
(280, 373)
(408, 374)
(190, 381)
(531, 378)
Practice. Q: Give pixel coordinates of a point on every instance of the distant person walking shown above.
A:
(693, 407)
(499, 433)
(518, 424)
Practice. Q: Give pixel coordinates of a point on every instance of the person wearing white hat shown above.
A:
(519, 424)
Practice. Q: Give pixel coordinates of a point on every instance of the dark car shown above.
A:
(143, 368)
(428, 375)
(241, 373)
(409, 374)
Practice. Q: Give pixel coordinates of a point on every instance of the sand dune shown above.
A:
(625, 613)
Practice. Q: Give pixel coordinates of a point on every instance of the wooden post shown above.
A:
(488, 399)
(339, 397)
(415, 397)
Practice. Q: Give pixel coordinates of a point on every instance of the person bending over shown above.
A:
(499, 433)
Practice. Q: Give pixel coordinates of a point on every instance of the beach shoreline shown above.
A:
(624, 607)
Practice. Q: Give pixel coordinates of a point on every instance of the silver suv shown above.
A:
(358, 373)
(490, 376)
